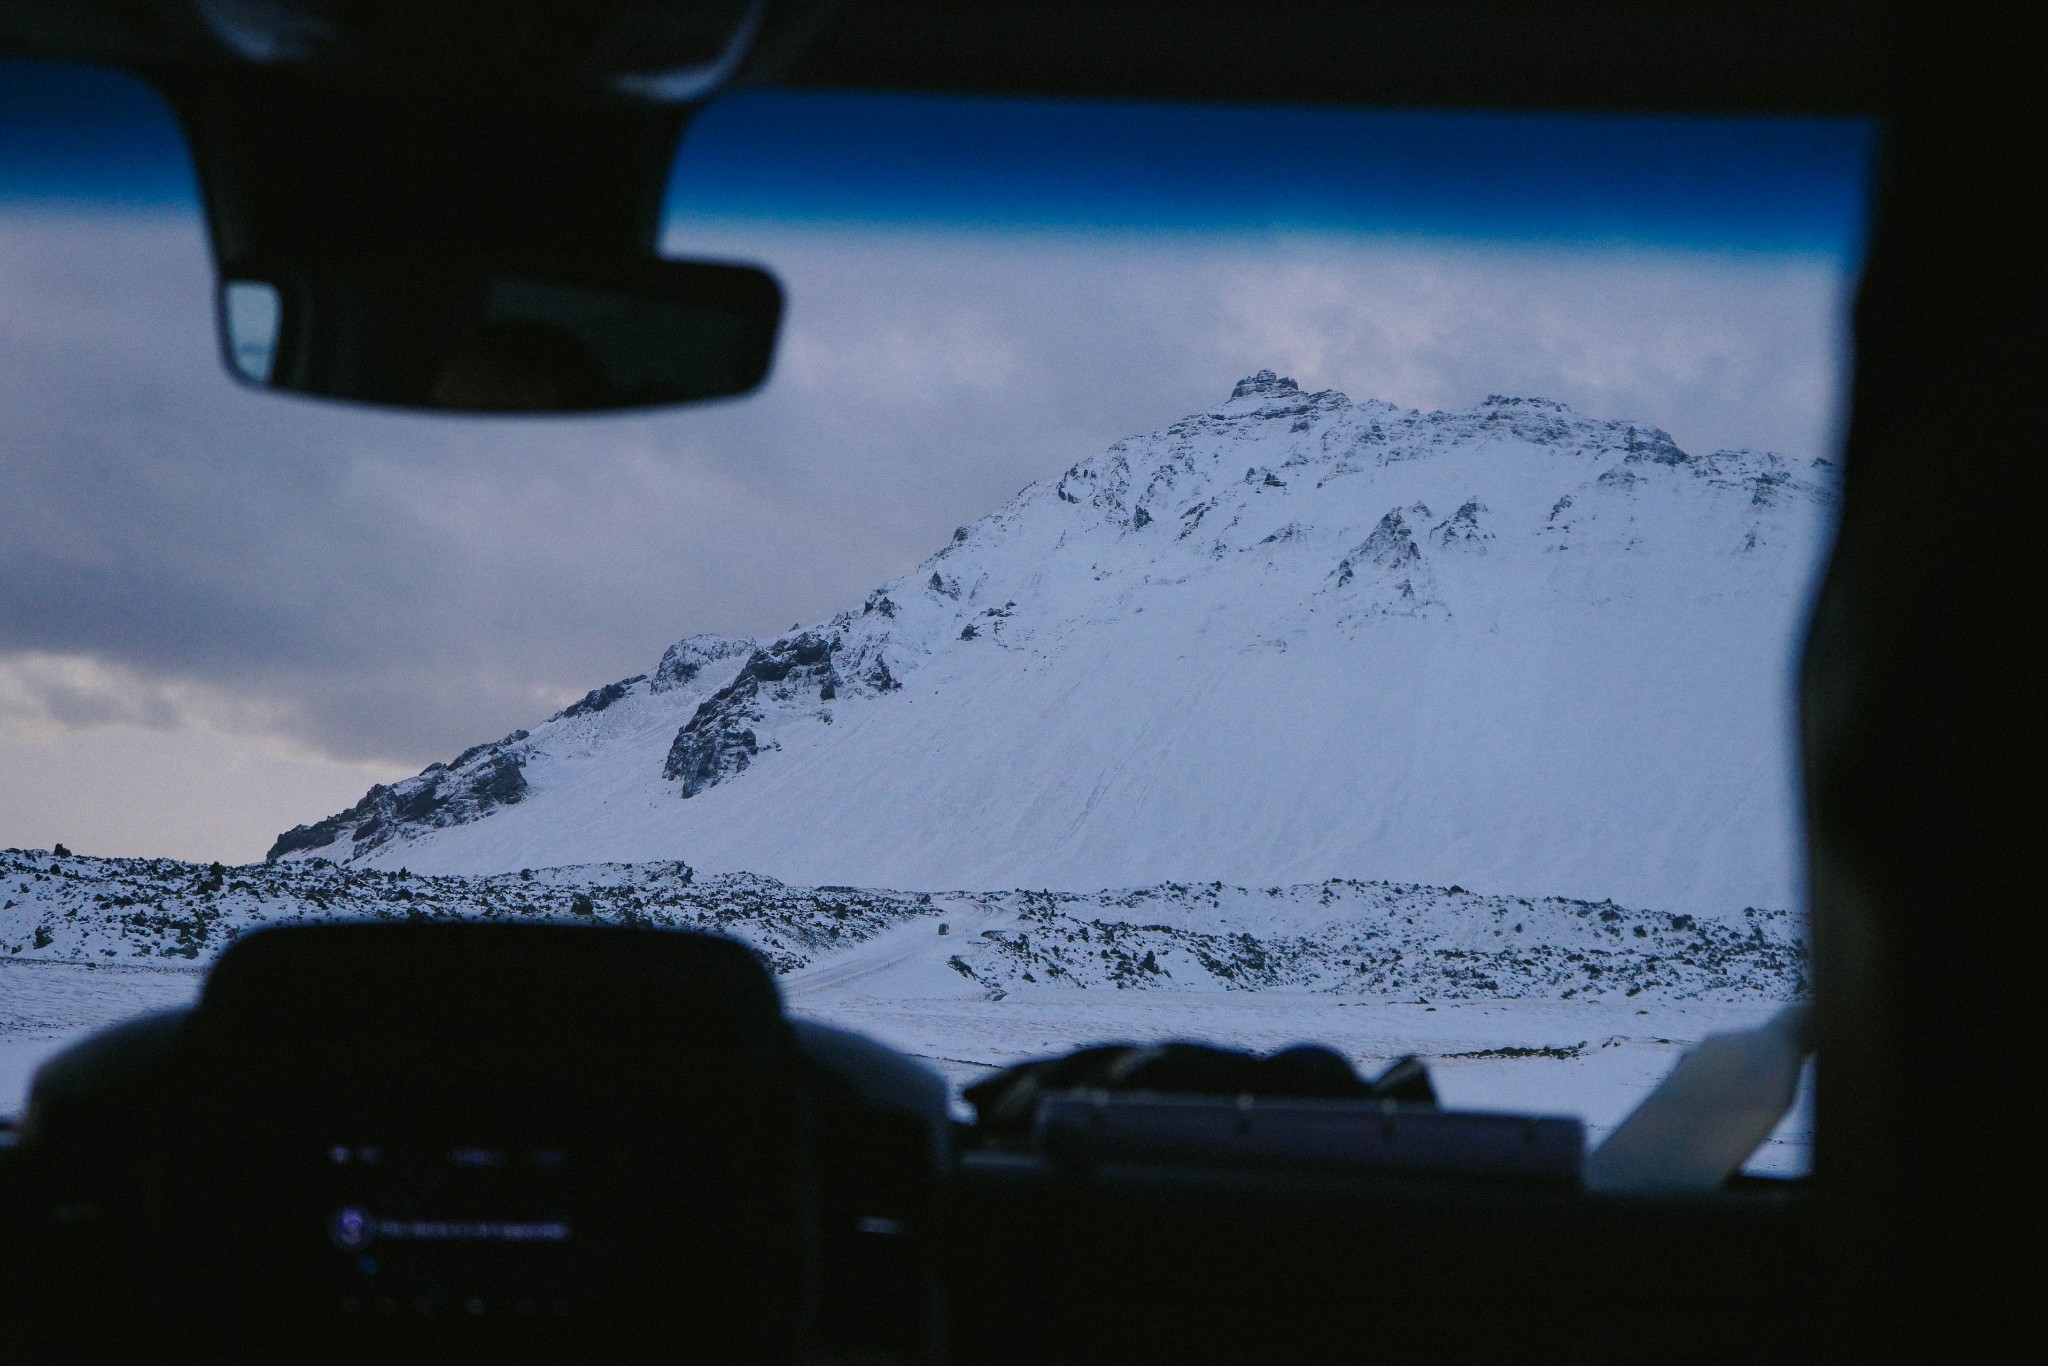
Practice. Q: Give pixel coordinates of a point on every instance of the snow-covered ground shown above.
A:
(1595, 1060)
(45, 1005)
(1581, 1017)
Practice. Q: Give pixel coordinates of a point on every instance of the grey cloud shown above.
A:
(393, 588)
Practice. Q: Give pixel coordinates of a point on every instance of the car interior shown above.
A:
(457, 206)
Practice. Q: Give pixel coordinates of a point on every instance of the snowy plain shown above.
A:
(1584, 1022)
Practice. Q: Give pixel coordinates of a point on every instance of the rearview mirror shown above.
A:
(507, 338)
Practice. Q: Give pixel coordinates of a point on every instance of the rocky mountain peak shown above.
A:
(1267, 394)
(1531, 404)
(1264, 384)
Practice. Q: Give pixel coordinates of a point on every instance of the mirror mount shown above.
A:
(292, 164)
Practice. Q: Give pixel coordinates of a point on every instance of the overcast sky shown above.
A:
(223, 613)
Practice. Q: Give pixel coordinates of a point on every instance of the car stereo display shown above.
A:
(601, 1244)
(449, 1230)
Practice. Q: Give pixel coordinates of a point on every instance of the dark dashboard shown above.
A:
(562, 1143)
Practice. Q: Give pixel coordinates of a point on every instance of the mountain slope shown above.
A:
(1290, 639)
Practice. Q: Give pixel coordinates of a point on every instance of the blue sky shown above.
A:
(223, 613)
(81, 136)
(1741, 184)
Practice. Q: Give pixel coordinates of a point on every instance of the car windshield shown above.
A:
(1257, 575)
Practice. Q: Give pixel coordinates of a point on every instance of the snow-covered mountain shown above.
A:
(1290, 639)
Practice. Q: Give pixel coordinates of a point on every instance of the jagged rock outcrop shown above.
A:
(1385, 574)
(479, 781)
(597, 699)
(718, 741)
(689, 657)
(491, 777)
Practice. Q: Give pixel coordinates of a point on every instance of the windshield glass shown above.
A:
(1255, 575)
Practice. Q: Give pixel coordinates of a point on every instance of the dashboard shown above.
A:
(537, 1142)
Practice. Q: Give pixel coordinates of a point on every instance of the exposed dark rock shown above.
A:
(708, 750)
(719, 740)
(1767, 486)
(1391, 546)
(1655, 445)
(321, 834)
(502, 784)
(685, 659)
(482, 780)
(793, 657)
(1263, 383)
(418, 803)
(1392, 578)
(597, 699)
(1461, 530)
